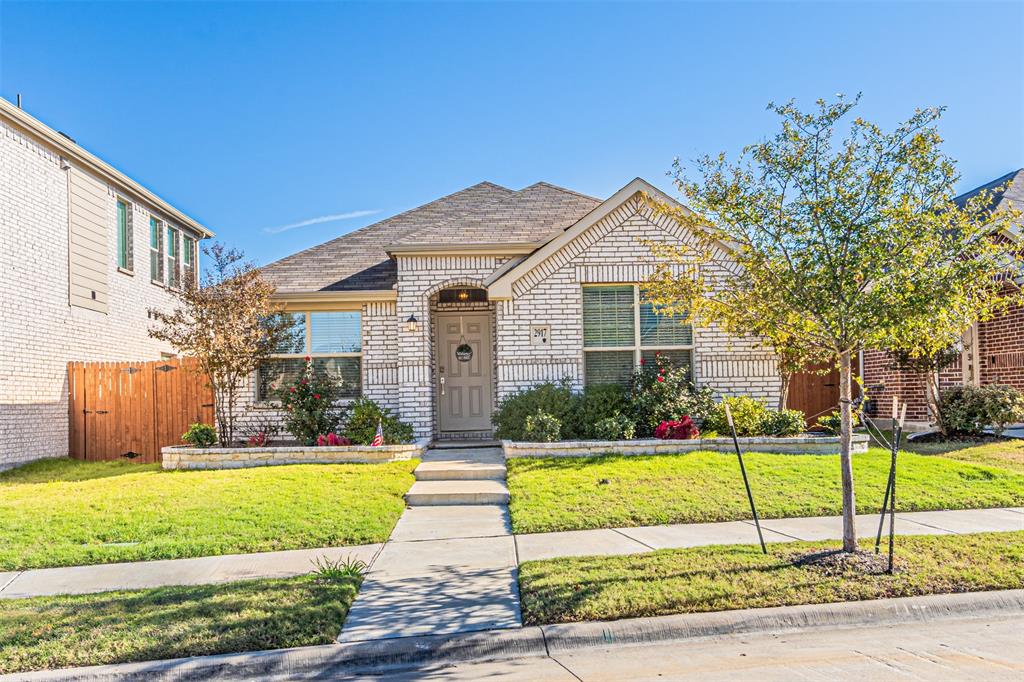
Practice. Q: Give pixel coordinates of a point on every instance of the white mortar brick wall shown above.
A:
(612, 251)
(379, 329)
(39, 331)
(399, 365)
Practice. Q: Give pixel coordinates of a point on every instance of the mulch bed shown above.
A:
(837, 562)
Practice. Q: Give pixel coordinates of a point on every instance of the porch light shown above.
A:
(411, 323)
(463, 295)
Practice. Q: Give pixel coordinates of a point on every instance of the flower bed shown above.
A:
(183, 457)
(795, 445)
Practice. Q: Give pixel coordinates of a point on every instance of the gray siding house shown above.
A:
(542, 283)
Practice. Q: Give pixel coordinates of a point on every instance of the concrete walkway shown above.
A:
(199, 571)
(450, 565)
(617, 541)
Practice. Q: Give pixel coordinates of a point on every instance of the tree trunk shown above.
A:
(785, 378)
(931, 388)
(845, 456)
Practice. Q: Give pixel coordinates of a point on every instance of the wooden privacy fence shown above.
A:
(133, 408)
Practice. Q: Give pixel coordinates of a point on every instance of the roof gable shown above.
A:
(499, 285)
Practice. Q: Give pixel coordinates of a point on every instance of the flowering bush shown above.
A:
(543, 427)
(661, 392)
(677, 429)
(332, 439)
(310, 405)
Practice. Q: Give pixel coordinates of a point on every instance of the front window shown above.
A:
(332, 339)
(621, 329)
(189, 260)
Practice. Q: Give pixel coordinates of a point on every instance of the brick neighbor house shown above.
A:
(84, 253)
(439, 312)
(992, 352)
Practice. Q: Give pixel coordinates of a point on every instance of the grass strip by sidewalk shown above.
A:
(171, 622)
(553, 494)
(726, 577)
(64, 512)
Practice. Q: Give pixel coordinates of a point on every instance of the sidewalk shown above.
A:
(613, 541)
(477, 540)
(200, 571)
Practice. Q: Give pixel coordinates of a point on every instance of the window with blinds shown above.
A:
(620, 329)
(334, 342)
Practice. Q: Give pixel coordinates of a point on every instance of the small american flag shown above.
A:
(378, 439)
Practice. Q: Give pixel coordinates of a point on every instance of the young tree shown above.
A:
(229, 325)
(928, 365)
(841, 241)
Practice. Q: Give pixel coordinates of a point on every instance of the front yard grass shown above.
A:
(556, 494)
(738, 576)
(65, 512)
(170, 622)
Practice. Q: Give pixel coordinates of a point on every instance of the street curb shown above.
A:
(339, 659)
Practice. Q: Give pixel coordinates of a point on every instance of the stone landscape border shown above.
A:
(795, 445)
(184, 457)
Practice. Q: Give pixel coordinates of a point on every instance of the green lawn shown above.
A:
(616, 491)
(169, 622)
(65, 512)
(739, 576)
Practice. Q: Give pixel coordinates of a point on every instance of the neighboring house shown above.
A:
(992, 352)
(542, 284)
(84, 253)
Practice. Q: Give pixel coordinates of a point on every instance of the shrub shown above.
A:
(677, 429)
(543, 427)
(968, 410)
(748, 415)
(597, 403)
(339, 570)
(554, 399)
(616, 427)
(783, 423)
(331, 439)
(363, 417)
(660, 392)
(309, 404)
(830, 423)
(200, 436)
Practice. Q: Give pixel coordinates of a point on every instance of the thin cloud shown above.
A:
(316, 221)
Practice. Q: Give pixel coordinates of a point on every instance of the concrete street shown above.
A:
(978, 649)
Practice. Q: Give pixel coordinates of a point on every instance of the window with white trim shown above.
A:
(189, 256)
(334, 342)
(156, 251)
(173, 264)
(621, 330)
(124, 235)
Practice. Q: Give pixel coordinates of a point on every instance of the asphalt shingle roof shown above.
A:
(1014, 194)
(482, 214)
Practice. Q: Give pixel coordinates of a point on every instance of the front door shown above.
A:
(464, 372)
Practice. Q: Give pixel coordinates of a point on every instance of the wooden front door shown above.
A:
(464, 389)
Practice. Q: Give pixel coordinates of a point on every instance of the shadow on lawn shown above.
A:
(67, 470)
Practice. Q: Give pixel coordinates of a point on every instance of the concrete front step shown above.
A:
(459, 471)
(436, 493)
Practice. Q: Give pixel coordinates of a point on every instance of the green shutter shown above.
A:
(608, 317)
(608, 367)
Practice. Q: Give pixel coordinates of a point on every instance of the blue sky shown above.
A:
(254, 116)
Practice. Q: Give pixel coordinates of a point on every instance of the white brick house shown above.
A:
(541, 284)
(77, 275)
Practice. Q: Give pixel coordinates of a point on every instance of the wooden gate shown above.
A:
(123, 408)
(816, 394)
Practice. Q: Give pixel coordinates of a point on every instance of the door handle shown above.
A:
(442, 385)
